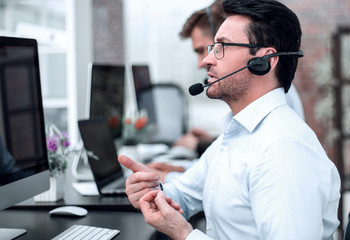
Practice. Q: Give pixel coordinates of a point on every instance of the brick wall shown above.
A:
(108, 38)
(319, 20)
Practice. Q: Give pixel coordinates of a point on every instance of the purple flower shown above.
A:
(52, 144)
(64, 140)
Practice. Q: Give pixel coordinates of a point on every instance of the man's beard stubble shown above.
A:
(231, 89)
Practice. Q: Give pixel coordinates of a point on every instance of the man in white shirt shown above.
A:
(266, 176)
(201, 28)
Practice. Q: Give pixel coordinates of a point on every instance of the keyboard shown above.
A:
(83, 232)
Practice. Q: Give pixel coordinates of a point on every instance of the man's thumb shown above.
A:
(161, 201)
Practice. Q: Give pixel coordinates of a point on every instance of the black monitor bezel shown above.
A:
(43, 172)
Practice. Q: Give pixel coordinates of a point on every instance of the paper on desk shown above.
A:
(86, 188)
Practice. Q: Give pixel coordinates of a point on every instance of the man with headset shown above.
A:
(201, 27)
(266, 176)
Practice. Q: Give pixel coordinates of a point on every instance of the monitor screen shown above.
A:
(142, 83)
(23, 153)
(106, 95)
(141, 77)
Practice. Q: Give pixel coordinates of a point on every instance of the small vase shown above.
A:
(55, 192)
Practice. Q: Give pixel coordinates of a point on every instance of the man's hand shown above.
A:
(142, 181)
(192, 138)
(188, 140)
(165, 215)
(201, 134)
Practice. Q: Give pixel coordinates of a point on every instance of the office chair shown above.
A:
(347, 230)
(167, 109)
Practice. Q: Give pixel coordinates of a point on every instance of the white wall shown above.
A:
(79, 55)
(152, 36)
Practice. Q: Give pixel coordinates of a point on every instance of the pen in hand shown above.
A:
(160, 186)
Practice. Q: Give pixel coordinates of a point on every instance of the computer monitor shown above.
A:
(106, 94)
(23, 154)
(142, 82)
(141, 77)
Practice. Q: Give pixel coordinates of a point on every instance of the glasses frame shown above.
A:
(212, 46)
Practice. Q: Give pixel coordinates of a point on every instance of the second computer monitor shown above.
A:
(142, 81)
(141, 77)
(106, 94)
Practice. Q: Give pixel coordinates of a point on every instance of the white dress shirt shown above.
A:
(293, 100)
(266, 177)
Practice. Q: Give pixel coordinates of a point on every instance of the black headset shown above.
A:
(261, 65)
(210, 19)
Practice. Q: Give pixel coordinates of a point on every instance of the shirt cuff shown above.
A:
(196, 235)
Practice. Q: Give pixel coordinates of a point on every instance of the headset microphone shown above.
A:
(258, 66)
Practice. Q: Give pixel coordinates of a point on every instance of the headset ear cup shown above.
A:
(259, 66)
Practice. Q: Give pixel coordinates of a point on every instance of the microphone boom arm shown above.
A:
(207, 85)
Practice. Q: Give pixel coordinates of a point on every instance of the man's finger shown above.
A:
(132, 165)
(148, 197)
(174, 205)
(163, 205)
(147, 204)
(161, 201)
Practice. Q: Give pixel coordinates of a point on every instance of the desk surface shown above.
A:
(72, 197)
(108, 212)
(40, 225)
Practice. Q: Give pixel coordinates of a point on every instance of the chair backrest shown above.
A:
(167, 110)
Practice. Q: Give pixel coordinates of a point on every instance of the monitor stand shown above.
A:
(11, 233)
(81, 170)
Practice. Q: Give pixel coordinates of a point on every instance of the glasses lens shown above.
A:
(219, 50)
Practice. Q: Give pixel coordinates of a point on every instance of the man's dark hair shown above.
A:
(200, 18)
(272, 24)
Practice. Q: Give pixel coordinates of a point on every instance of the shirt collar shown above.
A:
(255, 112)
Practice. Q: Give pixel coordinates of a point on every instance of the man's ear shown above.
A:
(272, 60)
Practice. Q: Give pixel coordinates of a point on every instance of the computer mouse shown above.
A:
(72, 211)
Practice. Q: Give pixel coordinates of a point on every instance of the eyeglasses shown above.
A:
(219, 48)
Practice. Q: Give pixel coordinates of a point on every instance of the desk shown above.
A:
(72, 197)
(109, 212)
(40, 225)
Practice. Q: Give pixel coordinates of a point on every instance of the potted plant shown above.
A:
(58, 151)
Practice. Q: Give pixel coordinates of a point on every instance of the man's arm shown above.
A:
(294, 193)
